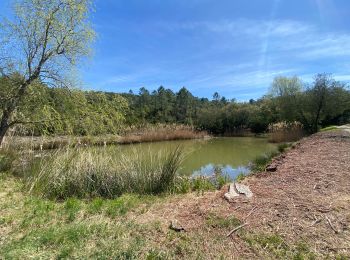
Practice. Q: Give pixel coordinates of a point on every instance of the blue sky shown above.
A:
(235, 47)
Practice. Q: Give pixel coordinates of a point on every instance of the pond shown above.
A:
(230, 155)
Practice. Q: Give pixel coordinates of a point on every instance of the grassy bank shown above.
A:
(33, 227)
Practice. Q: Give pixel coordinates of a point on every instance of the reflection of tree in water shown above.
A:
(212, 170)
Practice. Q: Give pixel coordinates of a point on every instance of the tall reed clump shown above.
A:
(285, 132)
(160, 132)
(8, 154)
(7, 158)
(260, 162)
(85, 173)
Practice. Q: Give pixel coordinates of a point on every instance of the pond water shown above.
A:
(230, 155)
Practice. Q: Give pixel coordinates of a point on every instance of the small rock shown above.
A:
(231, 194)
(237, 190)
(244, 189)
(271, 168)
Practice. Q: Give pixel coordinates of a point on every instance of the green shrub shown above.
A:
(282, 147)
(202, 183)
(240, 177)
(259, 163)
(183, 184)
(221, 180)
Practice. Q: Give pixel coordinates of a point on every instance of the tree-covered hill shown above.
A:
(62, 111)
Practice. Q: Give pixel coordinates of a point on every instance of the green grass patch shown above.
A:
(72, 206)
(260, 162)
(122, 205)
(275, 244)
(222, 222)
(43, 241)
(283, 147)
(95, 206)
(240, 177)
(200, 183)
(329, 128)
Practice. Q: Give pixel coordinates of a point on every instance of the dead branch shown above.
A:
(331, 225)
(236, 229)
(250, 212)
(315, 222)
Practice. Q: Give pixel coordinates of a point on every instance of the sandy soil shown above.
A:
(306, 199)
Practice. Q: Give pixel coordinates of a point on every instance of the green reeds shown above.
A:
(260, 162)
(7, 158)
(86, 173)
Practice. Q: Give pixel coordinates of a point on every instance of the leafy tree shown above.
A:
(42, 43)
(286, 93)
(184, 106)
(324, 100)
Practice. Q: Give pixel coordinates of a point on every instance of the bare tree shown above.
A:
(43, 43)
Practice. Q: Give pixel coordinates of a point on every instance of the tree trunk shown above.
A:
(4, 126)
(8, 111)
(318, 114)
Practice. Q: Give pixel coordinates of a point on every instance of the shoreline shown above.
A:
(49, 143)
(55, 142)
(298, 211)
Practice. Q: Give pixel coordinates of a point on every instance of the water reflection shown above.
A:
(225, 170)
(230, 155)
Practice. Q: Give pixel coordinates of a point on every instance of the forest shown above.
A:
(64, 111)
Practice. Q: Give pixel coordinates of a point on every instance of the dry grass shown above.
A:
(146, 133)
(285, 132)
(161, 132)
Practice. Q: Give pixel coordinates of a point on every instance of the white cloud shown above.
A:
(303, 40)
(256, 28)
(265, 49)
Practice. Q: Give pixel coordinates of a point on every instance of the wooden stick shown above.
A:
(315, 222)
(250, 212)
(235, 229)
(330, 223)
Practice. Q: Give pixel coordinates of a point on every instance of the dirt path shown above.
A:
(308, 197)
(307, 200)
